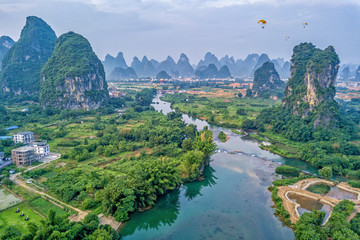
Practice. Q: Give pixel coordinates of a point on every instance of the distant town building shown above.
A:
(23, 156)
(24, 137)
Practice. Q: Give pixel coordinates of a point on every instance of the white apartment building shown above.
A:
(41, 148)
(24, 137)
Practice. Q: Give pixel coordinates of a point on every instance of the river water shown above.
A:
(233, 201)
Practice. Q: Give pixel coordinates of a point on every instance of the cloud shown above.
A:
(158, 28)
(11, 6)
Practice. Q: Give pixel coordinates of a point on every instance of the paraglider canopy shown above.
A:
(262, 22)
(286, 37)
(305, 24)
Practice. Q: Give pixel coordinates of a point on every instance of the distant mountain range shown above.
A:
(349, 72)
(209, 67)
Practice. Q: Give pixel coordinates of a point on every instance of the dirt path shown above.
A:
(79, 217)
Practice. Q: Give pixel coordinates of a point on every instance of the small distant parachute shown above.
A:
(304, 24)
(286, 37)
(262, 22)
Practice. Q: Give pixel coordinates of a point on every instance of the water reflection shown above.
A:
(193, 189)
(163, 214)
(341, 194)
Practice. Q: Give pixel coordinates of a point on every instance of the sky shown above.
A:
(158, 28)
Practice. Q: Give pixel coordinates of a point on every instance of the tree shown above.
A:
(249, 93)
(11, 233)
(100, 234)
(326, 172)
(241, 111)
(239, 95)
(204, 142)
(247, 124)
(187, 145)
(193, 163)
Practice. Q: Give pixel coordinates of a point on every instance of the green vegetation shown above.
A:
(222, 136)
(338, 227)
(326, 172)
(222, 111)
(289, 181)
(279, 206)
(59, 227)
(22, 64)
(319, 189)
(267, 82)
(9, 217)
(287, 170)
(72, 57)
(43, 207)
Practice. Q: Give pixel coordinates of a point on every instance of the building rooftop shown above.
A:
(23, 149)
(38, 143)
(23, 133)
(5, 137)
(11, 128)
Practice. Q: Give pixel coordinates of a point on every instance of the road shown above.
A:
(5, 164)
(53, 156)
(81, 214)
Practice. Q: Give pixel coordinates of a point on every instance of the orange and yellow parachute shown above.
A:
(286, 37)
(304, 24)
(262, 22)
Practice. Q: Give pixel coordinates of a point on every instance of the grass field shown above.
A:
(9, 217)
(43, 207)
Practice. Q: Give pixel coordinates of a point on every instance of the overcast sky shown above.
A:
(158, 28)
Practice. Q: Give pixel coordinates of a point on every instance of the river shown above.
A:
(233, 201)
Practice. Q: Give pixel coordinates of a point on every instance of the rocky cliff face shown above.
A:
(5, 44)
(267, 81)
(23, 62)
(74, 77)
(310, 89)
